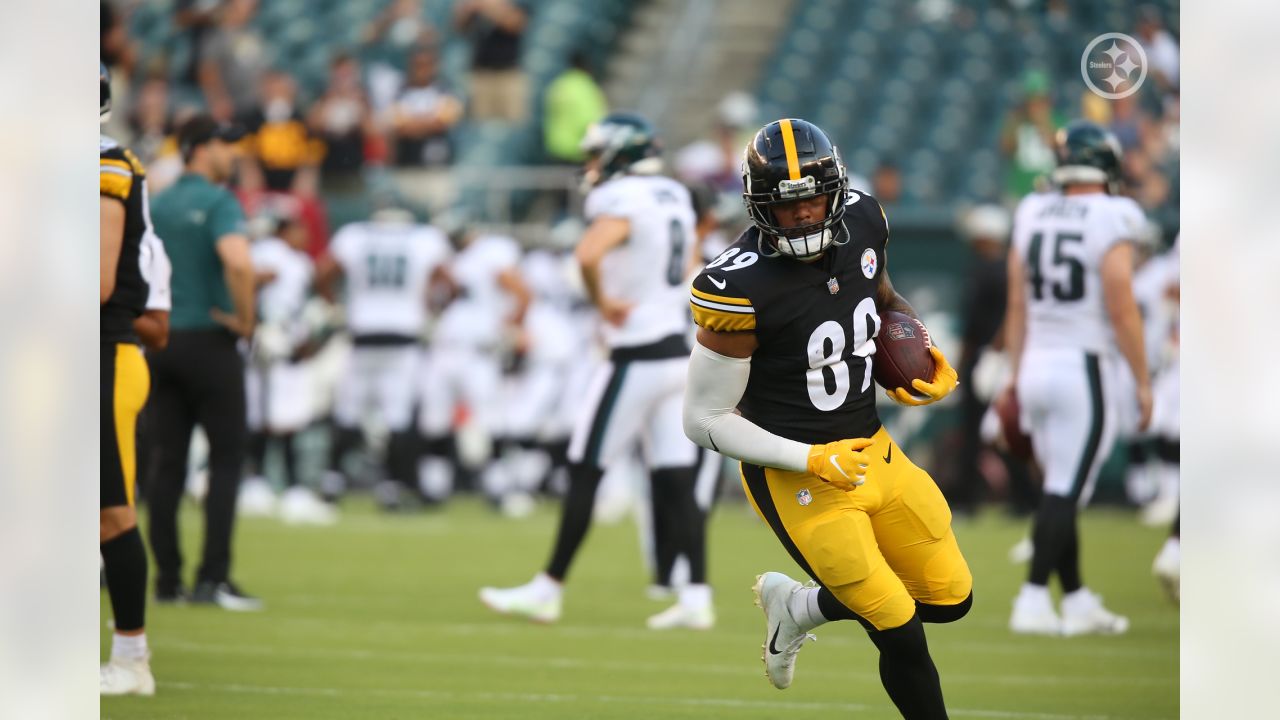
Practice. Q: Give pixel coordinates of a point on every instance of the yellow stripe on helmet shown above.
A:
(789, 146)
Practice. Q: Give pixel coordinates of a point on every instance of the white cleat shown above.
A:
(126, 677)
(783, 637)
(1083, 614)
(1033, 614)
(683, 616)
(256, 498)
(1167, 568)
(1021, 552)
(538, 599)
(301, 506)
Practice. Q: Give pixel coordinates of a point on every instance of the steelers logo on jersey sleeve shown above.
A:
(869, 263)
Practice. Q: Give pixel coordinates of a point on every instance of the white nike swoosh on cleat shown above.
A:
(835, 463)
(718, 283)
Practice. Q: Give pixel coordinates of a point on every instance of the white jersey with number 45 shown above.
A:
(648, 270)
(387, 266)
(1061, 240)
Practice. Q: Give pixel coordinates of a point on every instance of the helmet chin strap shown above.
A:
(822, 237)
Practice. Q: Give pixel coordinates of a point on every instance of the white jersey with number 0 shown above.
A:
(1061, 240)
(648, 270)
(387, 266)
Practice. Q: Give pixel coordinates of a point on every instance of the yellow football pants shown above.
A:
(880, 548)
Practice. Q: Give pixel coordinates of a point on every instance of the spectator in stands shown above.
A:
(574, 101)
(1126, 122)
(195, 18)
(1027, 137)
(400, 26)
(718, 160)
(498, 84)
(343, 120)
(150, 123)
(1160, 47)
(423, 114)
(232, 61)
(886, 183)
(286, 154)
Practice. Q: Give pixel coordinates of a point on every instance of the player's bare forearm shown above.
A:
(111, 217)
(152, 328)
(1122, 309)
(887, 298)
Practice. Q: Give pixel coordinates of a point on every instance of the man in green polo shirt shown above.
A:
(199, 377)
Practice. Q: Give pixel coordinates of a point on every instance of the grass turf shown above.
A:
(377, 617)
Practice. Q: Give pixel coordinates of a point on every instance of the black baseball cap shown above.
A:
(202, 128)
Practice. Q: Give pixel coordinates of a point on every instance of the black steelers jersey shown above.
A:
(122, 177)
(815, 322)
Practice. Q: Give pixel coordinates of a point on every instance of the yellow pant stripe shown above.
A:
(132, 384)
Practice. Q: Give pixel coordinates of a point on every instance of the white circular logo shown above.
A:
(1113, 65)
(869, 263)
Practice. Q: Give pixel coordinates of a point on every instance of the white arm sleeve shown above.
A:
(716, 384)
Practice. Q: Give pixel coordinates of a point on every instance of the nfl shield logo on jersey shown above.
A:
(869, 263)
(833, 285)
(804, 497)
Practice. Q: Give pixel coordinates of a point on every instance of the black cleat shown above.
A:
(225, 595)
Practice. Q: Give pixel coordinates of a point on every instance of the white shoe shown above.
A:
(1083, 614)
(660, 593)
(1033, 614)
(300, 506)
(538, 599)
(783, 637)
(256, 498)
(683, 616)
(1021, 552)
(1167, 567)
(126, 677)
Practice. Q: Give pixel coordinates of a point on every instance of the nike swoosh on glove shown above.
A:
(840, 463)
(944, 381)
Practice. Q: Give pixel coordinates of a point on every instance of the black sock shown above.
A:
(686, 521)
(558, 451)
(258, 453)
(1169, 450)
(575, 517)
(342, 441)
(124, 560)
(908, 673)
(832, 609)
(290, 460)
(944, 613)
(1068, 566)
(1054, 526)
(664, 541)
(402, 458)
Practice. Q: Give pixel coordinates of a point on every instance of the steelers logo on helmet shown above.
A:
(789, 160)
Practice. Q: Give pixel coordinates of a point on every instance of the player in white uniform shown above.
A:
(388, 263)
(550, 350)
(464, 365)
(634, 256)
(1072, 325)
(277, 382)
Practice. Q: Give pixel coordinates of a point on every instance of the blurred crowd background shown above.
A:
(468, 113)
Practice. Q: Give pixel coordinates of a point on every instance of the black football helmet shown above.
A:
(104, 92)
(1087, 153)
(624, 143)
(788, 160)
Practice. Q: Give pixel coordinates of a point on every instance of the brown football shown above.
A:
(902, 352)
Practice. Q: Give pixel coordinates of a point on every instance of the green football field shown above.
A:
(377, 617)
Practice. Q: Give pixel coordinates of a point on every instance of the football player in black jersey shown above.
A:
(123, 386)
(780, 378)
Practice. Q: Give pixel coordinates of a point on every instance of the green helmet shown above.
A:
(623, 143)
(1087, 153)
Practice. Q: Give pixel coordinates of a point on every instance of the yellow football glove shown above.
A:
(944, 381)
(840, 463)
